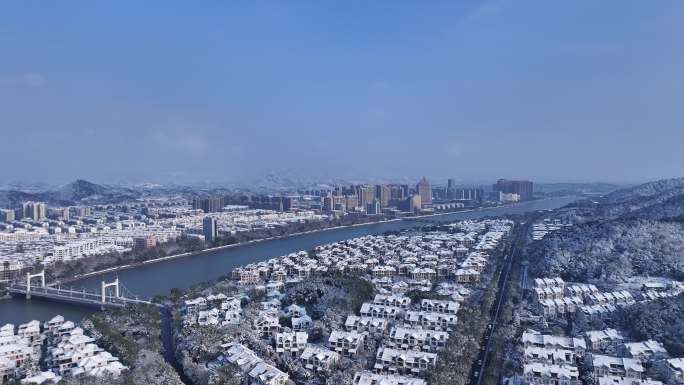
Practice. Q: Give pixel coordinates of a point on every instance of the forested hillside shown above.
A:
(661, 320)
(635, 231)
(614, 250)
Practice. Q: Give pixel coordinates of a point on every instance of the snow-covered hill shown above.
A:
(633, 231)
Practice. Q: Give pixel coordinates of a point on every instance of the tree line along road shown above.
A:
(511, 255)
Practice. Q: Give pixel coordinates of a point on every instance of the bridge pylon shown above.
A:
(106, 285)
(29, 277)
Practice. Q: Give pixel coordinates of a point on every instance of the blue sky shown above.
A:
(229, 91)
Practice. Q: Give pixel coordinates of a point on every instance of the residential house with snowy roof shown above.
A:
(348, 344)
(396, 361)
(369, 378)
(603, 340)
(361, 324)
(537, 373)
(319, 358)
(416, 339)
(291, 342)
(615, 366)
(439, 306)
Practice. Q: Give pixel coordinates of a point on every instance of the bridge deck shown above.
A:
(82, 297)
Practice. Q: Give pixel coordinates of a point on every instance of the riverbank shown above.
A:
(78, 277)
(115, 269)
(152, 279)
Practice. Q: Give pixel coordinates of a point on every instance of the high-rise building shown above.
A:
(209, 229)
(277, 204)
(81, 211)
(27, 210)
(416, 202)
(366, 194)
(373, 208)
(6, 215)
(383, 193)
(397, 192)
(467, 193)
(411, 204)
(439, 192)
(40, 211)
(495, 196)
(328, 204)
(523, 188)
(287, 203)
(34, 210)
(339, 203)
(59, 213)
(405, 190)
(144, 242)
(451, 189)
(425, 191)
(352, 202)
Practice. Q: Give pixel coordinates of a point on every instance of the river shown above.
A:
(159, 278)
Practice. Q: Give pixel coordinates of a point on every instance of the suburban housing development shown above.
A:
(399, 334)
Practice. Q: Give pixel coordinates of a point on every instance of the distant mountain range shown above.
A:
(77, 192)
(85, 192)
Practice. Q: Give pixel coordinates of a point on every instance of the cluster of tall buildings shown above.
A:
(403, 197)
(266, 202)
(455, 192)
(368, 197)
(523, 188)
(240, 202)
(373, 199)
(38, 211)
(34, 210)
(209, 205)
(263, 202)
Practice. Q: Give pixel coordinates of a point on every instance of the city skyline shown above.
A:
(474, 90)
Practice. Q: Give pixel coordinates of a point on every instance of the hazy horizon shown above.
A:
(567, 91)
(265, 182)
